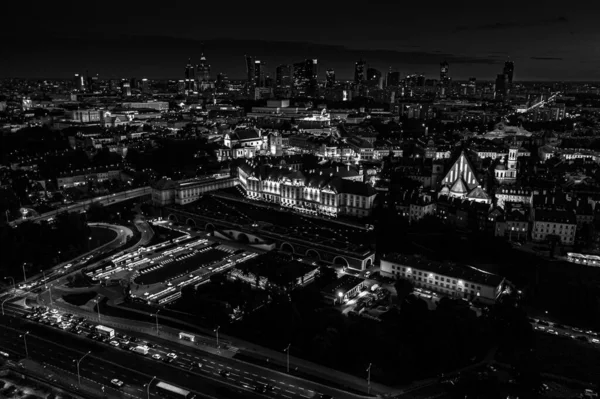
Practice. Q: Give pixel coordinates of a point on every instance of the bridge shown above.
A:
(82, 205)
(257, 234)
(540, 103)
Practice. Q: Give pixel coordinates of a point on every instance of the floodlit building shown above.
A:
(447, 279)
(313, 191)
(462, 182)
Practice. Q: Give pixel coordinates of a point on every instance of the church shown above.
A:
(461, 182)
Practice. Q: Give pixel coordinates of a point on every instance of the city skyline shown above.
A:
(545, 44)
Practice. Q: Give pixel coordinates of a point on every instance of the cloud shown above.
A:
(512, 25)
(547, 58)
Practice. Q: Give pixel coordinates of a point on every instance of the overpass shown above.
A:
(82, 205)
(257, 234)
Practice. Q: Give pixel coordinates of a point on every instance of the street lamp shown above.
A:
(24, 275)
(287, 350)
(369, 379)
(156, 317)
(79, 361)
(10, 297)
(148, 387)
(98, 308)
(340, 295)
(44, 277)
(217, 332)
(25, 341)
(13, 283)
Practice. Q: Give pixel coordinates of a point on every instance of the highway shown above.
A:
(244, 376)
(104, 363)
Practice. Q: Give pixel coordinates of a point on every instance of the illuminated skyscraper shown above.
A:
(203, 69)
(509, 71)
(250, 75)
(259, 74)
(190, 76)
(284, 76)
(359, 71)
(444, 70)
(330, 78)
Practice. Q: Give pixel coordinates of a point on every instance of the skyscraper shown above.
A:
(330, 78)
(444, 70)
(393, 79)
(250, 75)
(284, 76)
(190, 76)
(259, 74)
(359, 71)
(509, 71)
(501, 88)
(203, 69)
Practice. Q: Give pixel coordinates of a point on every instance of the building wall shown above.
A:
(541, 230)
(445, 285)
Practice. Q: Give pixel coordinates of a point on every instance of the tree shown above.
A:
(403, 288)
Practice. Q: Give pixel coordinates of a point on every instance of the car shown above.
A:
(325, 396)
(117, 383)
(596, 340)
(4, 354)
(172, 355)
(224, 373)
(114, 343)
(124, 341)
(54, 311)
(156, 356)
(168, 360)
(199, 365)
(260, 388)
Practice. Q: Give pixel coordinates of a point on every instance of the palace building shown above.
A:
(313, 191)
(461, 182)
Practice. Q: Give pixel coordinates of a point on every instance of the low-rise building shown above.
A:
(343, 289)
(448, 279)
(554, 223)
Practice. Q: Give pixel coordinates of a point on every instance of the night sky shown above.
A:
(547, 40)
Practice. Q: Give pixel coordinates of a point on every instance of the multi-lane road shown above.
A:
(183, 371)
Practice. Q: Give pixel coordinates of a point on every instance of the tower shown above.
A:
(513, 154)
(509, 71)
(203, 68)
(359, 71)
(330, 76)
(444, 70)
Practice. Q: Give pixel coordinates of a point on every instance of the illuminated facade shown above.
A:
(461, 182)
(451, 280)
(313, 192)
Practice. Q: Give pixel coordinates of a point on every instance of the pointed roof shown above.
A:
(459, 187)
(462, 168)
(478, 193)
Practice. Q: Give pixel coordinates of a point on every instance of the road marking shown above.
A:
(292, 392)
(272, 380)
(285, 396)
(248, 378)
(291, 385)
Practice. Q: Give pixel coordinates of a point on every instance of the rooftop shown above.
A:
(459, 272)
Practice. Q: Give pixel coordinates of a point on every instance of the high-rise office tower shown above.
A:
(329, 78)
(284, 76)
(203, 69)
(259, 74)
(501, 88)
(421, 80)
(393, 79)
(373, 76)
(312, 73)
(359, 71)
(444, 73)
(250, 75)
(145, 86)
(190, 76)
(79, 83)
(509, 71)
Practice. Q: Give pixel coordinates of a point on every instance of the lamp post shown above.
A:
(10, 297)
(369, 379)
(44, 277)
(50, 293)
(98, 308)
(287, 350)
(24, 275)
(156, 318)
(217, 332)
(25, 341)
(13, 284)
(148, 387)
(79, 361)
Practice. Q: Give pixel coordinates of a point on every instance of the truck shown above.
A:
(105, 331)
(171, 391)
(141, 349)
